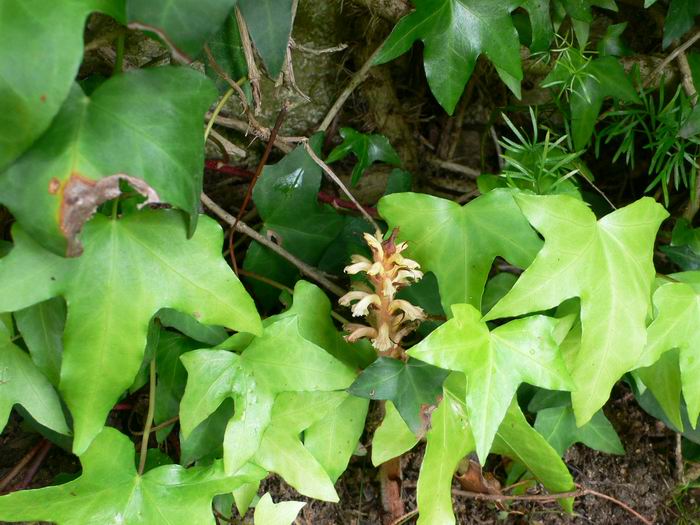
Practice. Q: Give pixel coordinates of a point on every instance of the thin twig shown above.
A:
(328, 171)
(687, 78)
(581, 491)
(34, 467)
(248, 194)
(149, 416)
(671, 57)
(160, 426)
(243, 228)
(229, 147)
(4, 482)
(456, 168)
(253, 71)
(405, 517)
(355, 81)
(312, 51)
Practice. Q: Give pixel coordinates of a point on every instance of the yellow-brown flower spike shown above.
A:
(389, 319)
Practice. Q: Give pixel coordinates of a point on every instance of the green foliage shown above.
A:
(411, 386)
(459, 243)
(77, 164)
(31, 96)
(367, 148)
(524, 285)
(608, 265)
(110, 489)
(494, 363)
(108, 322)
(455, 33)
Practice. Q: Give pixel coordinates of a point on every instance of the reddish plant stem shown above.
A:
(20, 465)
(34, 467)
(263, 160)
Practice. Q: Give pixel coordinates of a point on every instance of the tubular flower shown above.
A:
(389, 319)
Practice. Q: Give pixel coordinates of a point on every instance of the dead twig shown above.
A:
(253, 71)
(20, 465)
(34, 467)
(671, 57)
(456, 168)
(243, 228)
(581, 491)
(328, 171)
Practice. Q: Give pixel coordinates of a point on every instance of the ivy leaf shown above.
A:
(393, 437)
(598, 79)
(282, 513)
(41, 326)
(608, 265)
(286, 198)
(22, 383)
(110, 304)
(450, 439)
(270, 26)
(494, 363)
(172, 377)
(280, 360)
(367, 148)
(558, 426)
(459, 243)
(31, 96)
(455, 33)
(281, 449)
(188, 325)
(183, 25)
(111, 491)
(333, 439)
(412, 386)
(685, 246)
(79, 162)
(581, 15)
(680, 18)
(540, 23)
(676, 326)
(226, 47)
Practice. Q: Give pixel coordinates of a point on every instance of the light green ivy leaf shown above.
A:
(675, 325)
(110, 490)
(22, 383)
(607, 263)
(494, 363)
(459, 243)
(131, 268)
(393, 437)
(282, 513)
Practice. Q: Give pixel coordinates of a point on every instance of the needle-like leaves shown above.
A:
(608, 265)
(132, 267)
(111, 491)
(495, 363)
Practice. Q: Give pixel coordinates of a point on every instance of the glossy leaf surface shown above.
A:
(30, 96)
(607, 263)
(455, 33)
(495, 363)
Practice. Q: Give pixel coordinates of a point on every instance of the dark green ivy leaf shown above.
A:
(455, 33)
(680, 18)
(286, 198)
(367, 148)
(184, 25)
(270, 26)
(411, 386)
